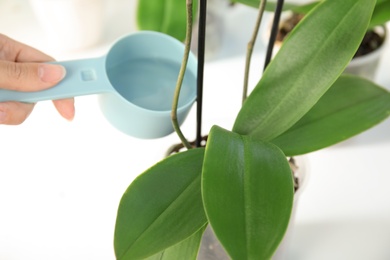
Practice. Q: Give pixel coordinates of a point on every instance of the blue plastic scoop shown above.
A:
(135, 81)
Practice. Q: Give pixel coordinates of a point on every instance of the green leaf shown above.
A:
(296, 8)
(166, 16)
(247, 191)
(381, 14)
(271, 5)
(304, 9)
(162, 207)
(351, 106)
(187, 249)
(308, 63)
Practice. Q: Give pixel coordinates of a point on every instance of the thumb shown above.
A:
(29, 76)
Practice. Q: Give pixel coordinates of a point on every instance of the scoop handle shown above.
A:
(83, 77)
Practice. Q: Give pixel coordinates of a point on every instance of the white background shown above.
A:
(61, 182)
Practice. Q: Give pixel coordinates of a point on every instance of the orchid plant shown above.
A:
(241, 183)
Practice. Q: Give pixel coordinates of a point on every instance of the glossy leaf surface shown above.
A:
(308, 63)
(161, 207)
(187, 249)
(247, 190)
(351, 106)
(166, 16)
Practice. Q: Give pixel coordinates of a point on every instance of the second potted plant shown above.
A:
(367, 58)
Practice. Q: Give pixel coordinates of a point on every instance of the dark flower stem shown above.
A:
(201, 54)
(274, 32)
(183, 67)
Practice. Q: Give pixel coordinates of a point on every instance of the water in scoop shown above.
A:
(150, 83)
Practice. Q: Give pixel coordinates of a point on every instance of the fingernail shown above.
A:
(51, 73)
(69, 113)
(3, 116)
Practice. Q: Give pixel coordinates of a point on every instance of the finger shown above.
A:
(65, 107)
(14, 113)
(29, 76)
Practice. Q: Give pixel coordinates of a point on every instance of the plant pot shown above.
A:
(70, 24)
(211, 249)
(367, 58)
(366, 64)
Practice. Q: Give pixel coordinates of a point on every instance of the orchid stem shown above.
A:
(179, 82)
(250, 47)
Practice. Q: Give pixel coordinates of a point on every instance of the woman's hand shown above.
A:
(22, 69)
